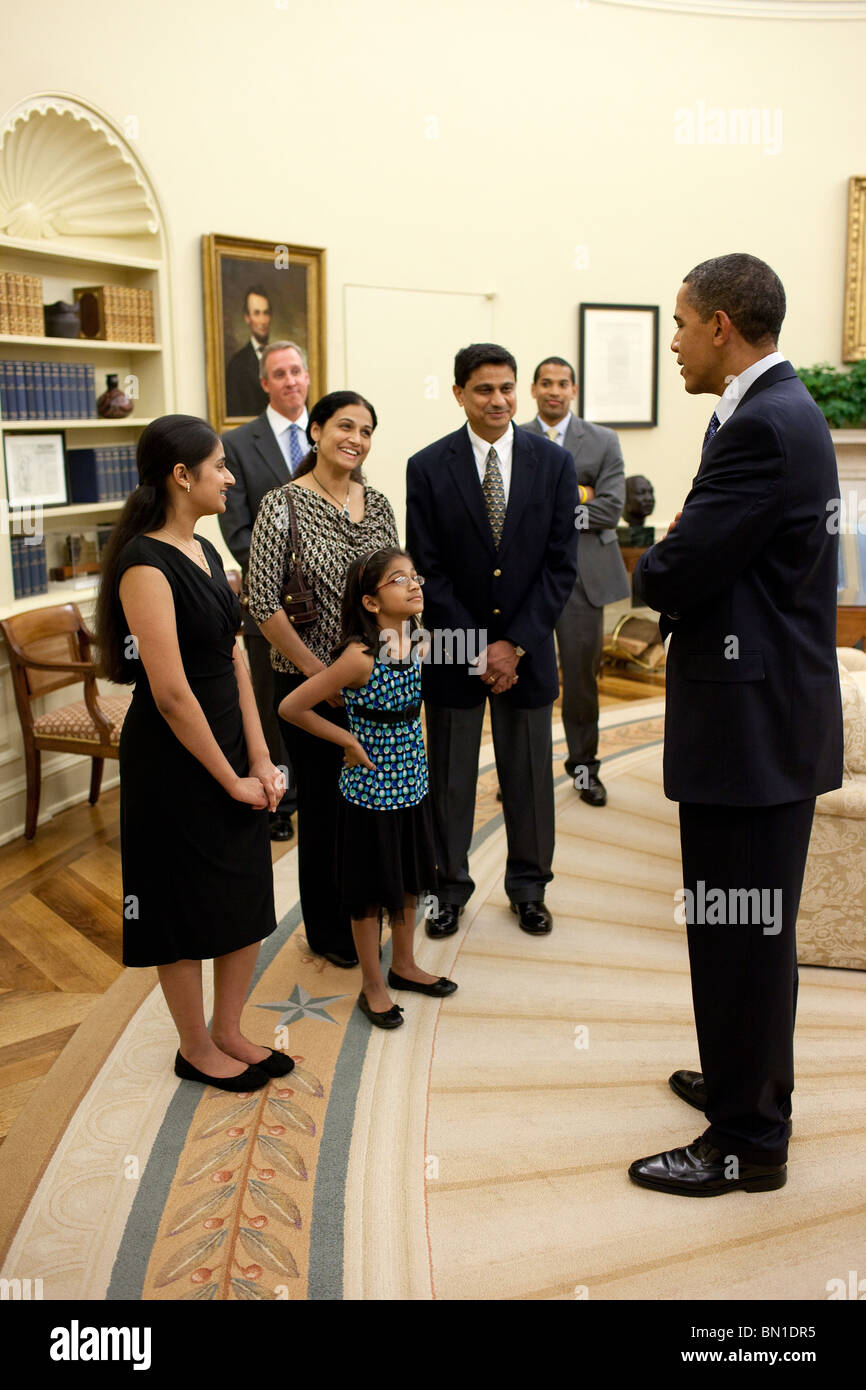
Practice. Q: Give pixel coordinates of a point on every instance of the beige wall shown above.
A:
(556, 130)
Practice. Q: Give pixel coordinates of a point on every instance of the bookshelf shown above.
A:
(78, 209)
(62, 265)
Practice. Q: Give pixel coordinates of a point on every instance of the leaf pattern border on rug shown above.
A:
(240, 1211)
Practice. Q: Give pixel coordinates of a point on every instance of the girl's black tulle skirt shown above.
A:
(382, 856)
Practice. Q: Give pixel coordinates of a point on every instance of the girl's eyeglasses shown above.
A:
(404, 580)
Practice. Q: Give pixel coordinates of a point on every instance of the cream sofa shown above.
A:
(831, 926)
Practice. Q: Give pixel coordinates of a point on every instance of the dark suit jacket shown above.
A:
(244, 394)
(747, 581)
(599, 464)
(517, 592)
(256, 460)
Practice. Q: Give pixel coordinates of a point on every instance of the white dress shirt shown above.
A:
(561, 427)
(736, 389)
(504, 447)
(280, 426)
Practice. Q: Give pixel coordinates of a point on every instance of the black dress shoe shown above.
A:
(253, 1079)
(439, 988)
(445, 922)
(279, 828)
(700, 1170)
(344, 962)
(391, 1018)
(690, 1087)
(594, 793)
(278, 1064)
(534, 918)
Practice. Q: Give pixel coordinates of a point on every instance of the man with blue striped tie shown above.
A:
(262, 455)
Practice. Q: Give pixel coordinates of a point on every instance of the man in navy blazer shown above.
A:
(746, 585)
(491, 526)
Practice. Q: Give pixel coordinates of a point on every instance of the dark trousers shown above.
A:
(744, 971)
(262, 677)
(317, 765)
(523, 747)
(579, 636)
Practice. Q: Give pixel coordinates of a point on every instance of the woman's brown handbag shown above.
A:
(297, 598)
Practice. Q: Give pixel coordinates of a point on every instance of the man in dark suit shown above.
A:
(601, 574)
(243, 371)
(491, 526)
(746, 585)
(263, 455)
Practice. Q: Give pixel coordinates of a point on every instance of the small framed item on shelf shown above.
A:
(36, 470)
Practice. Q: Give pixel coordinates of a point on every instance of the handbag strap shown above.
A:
(293, 528)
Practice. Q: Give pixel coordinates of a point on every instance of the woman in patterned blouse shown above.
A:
(338, 518)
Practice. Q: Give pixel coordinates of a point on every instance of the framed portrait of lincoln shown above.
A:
(256, 293)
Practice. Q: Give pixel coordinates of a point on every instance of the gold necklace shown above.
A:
(343, 505)
(198, 557)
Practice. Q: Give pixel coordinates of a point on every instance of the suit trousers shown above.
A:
(262, 677)
(523, 748)
(743, 956)
(317, 764)
(579, 636)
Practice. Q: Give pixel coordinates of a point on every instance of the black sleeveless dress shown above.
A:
(197, 876)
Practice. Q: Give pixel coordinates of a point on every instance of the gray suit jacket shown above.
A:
(256, 460)
(599, 465)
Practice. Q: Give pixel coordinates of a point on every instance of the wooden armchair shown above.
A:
(50, 648)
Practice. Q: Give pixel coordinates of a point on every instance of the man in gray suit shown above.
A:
(601, 574)
(262, 455)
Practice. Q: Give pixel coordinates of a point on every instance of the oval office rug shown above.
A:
(480, 1151)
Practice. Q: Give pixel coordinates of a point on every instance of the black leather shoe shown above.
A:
(439, 988)
(278, 828)
(344, 962)
(534, 918)
(445, 922)
(253, 1079)
(690, 1087)
(700, 1170)
(278, 1064)
(594, 793)
(391, 1018)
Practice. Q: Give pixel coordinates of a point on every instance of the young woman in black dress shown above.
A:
(195, 773)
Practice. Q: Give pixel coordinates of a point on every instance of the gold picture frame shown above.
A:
(854, 322)
(291, 281)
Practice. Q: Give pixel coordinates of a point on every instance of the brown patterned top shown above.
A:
(329, 544)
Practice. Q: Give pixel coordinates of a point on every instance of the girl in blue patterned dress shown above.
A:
(384, 850)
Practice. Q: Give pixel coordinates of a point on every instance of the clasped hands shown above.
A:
(498, 664)
(264, 788)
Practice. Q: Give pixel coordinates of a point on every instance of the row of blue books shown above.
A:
(105, 474)
(47, 390)
(29, 568)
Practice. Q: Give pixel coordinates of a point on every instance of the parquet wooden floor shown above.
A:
(60, 931)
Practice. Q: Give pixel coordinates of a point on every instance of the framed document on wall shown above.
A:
(618, 356)
(256, 293)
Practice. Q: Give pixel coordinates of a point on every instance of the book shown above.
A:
(4, 302)
(20, 392)
(90, 391)
(5, 389)
(39, 390)
(17, 567)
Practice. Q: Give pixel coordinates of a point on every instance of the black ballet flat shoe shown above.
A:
(253, 1079)
(391, 1018)
(278, 1064)
(439, 988)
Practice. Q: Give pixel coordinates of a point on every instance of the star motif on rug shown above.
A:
(300, 1004)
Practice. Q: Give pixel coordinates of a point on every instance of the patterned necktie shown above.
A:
(494, 495)
(552, 435)
(712, 430)
(296, 452)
